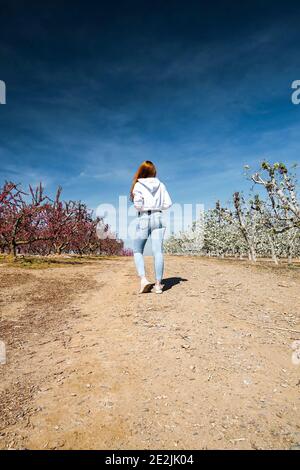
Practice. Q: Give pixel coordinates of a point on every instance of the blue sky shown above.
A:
(94, 88)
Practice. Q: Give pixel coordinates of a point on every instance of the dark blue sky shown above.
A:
(94, 88)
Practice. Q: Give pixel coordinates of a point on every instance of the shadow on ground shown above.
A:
(170, 282)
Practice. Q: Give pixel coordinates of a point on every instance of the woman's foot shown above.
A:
(158, 288)
(145, 285)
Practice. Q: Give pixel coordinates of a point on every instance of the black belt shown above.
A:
(147, 212)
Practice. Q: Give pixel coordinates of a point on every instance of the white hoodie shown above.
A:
(150, 194)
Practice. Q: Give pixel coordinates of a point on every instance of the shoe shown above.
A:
(146, 286)
(158, 289)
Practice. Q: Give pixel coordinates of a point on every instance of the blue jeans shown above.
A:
(149, 226)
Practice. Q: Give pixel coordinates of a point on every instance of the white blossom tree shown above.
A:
(256, 227)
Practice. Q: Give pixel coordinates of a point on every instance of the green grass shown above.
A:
(42, 262)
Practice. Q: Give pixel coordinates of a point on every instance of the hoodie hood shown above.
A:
(152, 184)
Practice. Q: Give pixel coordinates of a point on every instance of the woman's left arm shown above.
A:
(167, 201)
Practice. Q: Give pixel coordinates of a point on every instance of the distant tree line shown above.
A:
(33, 223)
(262, 225)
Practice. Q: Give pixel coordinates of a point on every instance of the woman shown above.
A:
(150, 197)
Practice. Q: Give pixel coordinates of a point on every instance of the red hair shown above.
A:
(146, 170)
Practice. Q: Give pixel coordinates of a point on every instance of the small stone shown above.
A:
(247, 382)
(109, 404)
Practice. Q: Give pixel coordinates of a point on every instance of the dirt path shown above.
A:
(91, 364)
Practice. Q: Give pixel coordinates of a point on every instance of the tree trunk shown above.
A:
(252, 254)
(13, 249)
(273, 252)
(290, 249)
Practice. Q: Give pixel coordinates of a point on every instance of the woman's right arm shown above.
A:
(167, 202)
